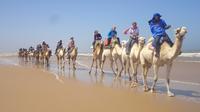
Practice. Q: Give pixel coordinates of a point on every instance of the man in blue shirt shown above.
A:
(111, 34)
(158, 27)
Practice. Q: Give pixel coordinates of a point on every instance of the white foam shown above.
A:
(190, 55)
(8, 54)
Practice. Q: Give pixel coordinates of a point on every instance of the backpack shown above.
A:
(106, 42)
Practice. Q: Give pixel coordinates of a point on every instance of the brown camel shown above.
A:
(61, 57)
(97, 55)
(72, 56)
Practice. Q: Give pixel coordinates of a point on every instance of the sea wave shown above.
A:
(190, 55)
(8, 54)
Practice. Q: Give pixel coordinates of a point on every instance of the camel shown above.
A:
(46, 55)
(30, 55)
(61, 57)
(97, 55)
(114, 54)
(24, 55)
(38, 56)
(132, 60)
(72, 56)
(167, 55)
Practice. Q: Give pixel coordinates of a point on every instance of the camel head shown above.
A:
(180, 32)
(114, 42)
(123, 43)
(141, 41)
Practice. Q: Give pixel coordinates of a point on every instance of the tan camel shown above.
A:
(113, 54)
(97, 55)
(167, 55)
(30, 55)
(132, 60)
(72, 56)
(61, 58)
(46, 54)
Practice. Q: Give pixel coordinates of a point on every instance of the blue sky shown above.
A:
(27, 22)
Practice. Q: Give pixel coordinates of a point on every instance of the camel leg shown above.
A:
(63, 62)
(155, 69)
(132, 65)
(99, 62)
(102, 63)
(124, 67)
(121, 67)
(144, 72)
(74, 63)
(58, 62)
(111, 65)
(115, 61)
(96, 65)
(169, 66)
(91, 66)
(135, 72)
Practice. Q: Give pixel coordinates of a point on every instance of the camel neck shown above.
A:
(118, 49)
(176, 48)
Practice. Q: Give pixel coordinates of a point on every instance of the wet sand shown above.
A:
(183, 69)
(34, 90)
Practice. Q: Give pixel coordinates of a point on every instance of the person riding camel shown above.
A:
(71, 45)
(133, 33)
(59, 46)
(39, 47)
(31, 49)
(45, 46)
(158, 27)
(113, 34)
(97, 37)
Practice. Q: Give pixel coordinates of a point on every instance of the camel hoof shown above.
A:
(133, 84)
(146, 89)
(153, 90)
(170, 94)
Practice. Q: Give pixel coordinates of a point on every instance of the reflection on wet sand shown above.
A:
(182, 90)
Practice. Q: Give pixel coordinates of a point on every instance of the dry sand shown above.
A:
(32, 90)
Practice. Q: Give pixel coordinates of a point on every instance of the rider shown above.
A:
(111, 34)
(71, 45)
(39, 47)
(133, 33)
(31, 49)
(158, 27)
(45, 45)
(59, 45)
(97, 37)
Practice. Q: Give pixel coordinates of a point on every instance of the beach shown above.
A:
(27, 87)
(32, 90)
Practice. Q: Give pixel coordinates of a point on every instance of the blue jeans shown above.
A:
(129, 45)
(157, 42)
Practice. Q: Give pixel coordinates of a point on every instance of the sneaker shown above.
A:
(151, 47)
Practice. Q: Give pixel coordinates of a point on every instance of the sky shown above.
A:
(25, 23)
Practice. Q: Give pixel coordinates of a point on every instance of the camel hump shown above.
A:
(150, 40)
